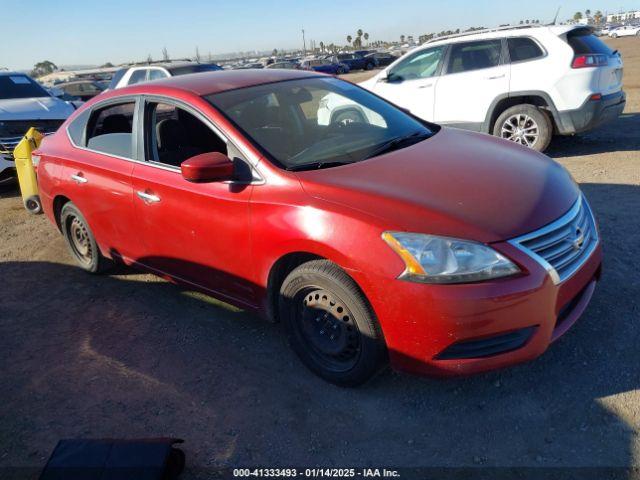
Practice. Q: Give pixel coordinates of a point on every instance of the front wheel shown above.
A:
(526, 125)
(614, 35)
(330, 323)
(368, 66)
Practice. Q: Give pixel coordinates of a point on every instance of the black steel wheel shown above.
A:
(80, 240)
(331, 325)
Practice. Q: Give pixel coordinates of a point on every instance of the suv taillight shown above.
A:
(590, 60)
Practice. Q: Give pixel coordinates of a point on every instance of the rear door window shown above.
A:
(584, 42)
(522, 49)
(466, 57)
(110, 130)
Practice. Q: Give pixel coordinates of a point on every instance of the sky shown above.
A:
(89, 32)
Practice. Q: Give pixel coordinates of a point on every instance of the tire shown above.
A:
(614, 35)
(80, 240)
(368, 66)
(330, 324)
(33, 205)
(509, 125)
(340, 71)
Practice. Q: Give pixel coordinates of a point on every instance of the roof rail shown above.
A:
(484, 30)
(155, 62)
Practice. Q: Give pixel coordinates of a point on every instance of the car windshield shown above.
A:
(20, 86)
(318, 122)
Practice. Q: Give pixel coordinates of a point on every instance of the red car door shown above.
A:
(195, 232)
(97, 176)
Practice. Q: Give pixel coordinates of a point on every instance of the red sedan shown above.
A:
(371, 234)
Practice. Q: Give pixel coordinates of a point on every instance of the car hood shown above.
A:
(456, 183)
(42, 108)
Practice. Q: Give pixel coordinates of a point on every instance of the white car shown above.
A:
(625, 31)
(24, 104)
(156, 71)
(523, 84)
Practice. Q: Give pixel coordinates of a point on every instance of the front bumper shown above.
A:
(591, 114)
(421, 323)
(7, 169)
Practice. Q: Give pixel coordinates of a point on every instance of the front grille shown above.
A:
(563, 246)
(12, 131)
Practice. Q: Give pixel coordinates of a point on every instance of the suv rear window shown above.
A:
(521, 49)
(584, 42)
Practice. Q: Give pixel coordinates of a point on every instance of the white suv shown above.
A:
(523, 84)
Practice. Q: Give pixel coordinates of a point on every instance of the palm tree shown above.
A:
(322, 46)
(359, 32)
(401, 38)
(587, 12)
(577, 16)
(349, 38)
(597, 16)
(366, 37)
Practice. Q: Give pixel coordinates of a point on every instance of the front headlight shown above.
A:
(433, 259)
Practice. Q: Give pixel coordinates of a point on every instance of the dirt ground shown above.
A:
(129, 355)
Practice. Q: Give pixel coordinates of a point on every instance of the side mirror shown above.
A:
(207, 167)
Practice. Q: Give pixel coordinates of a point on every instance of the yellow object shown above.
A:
(26, 171)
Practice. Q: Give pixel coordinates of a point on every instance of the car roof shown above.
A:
(207, 83)
(4, 73)
(501, 32)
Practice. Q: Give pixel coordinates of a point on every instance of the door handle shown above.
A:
(496, 77)
(426, 85)
(148, 197)
(78, 178)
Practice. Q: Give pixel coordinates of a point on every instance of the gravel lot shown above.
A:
(130, 355)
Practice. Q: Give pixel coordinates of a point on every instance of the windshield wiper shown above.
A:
(316, 165)
(396, 143)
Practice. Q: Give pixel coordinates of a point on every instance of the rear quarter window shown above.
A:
(582, 41)
(77, 127)
(110, 130)
(522, 49)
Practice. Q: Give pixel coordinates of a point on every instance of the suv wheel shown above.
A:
(525, 124)
(330, 323)
(369, 66)
(80, 240)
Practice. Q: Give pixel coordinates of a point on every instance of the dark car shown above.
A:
(355, 61)
(82, 89)
(324, 65)
(286, 65)
(382, 59)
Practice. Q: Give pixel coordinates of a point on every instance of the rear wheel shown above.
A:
(330, 324)
(526, 125)
(80, 240)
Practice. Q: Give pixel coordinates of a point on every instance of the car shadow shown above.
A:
(620, 135)
(130, 355)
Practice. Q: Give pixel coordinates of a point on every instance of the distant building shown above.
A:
(623, 17)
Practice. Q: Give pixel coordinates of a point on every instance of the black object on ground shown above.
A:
(115, 459)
